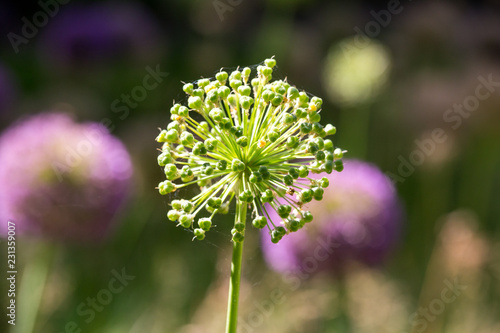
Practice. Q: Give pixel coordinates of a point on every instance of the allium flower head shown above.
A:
(355, 71)
(61, 179)
(359, 220)
(255, 139)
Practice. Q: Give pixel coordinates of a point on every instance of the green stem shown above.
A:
(32, 286)
(234, 282)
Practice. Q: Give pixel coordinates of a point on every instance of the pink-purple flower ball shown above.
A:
(61, 179)
(359, 219)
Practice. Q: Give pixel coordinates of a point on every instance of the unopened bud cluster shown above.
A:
(257, 142)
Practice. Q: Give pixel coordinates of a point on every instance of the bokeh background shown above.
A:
(388, 83)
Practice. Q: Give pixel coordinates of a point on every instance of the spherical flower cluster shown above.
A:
(60, 179)
(355, 71)
(256, 138)
(359, 220)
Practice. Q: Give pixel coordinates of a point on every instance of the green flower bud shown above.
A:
(235, 75)
(275, 236)
(199, 92)
(173, 215)
(238, 237)
(221, 77)
(267, 196)
(221, 165)
(305, 128)
(195, 102)
(187, 138)
(171, 136)
(236, 130)
(328, 145)
(313, 117)
(288, 180)
(175, 108)
(237, 165)
(239, 226)
(324, 182)
(176, 204)
(186, 220)
(208, 170)
(223, 92)
(216, 114)
(246, 196)
(303, 97)
(166, 187)
(203, 127)
(293, 225)
(235, 84)
(188, 88)
(300, 113)
(164, 158)
(186, 174)
(318, 193)
(212, 96)
(303, 171)
(320, 142)
(330, 129)
(281, 231)
(205, 223)
(225, 123)
(187, 206)
(246, 102)
(244, 90)
(214, 202)
(171, 171)
(329, 156)
(312, 147)
(211, 144)
(327, 167)
(339, 165)
(232, 99)
(255, 83)
(284, 210)
(199, 234)
(202, 83)
(273, 135)
(294, 172)
(268, 95)
(242, 141)
(292, 93)
(266, 70)
(290, 118)
(317, 128)
(338, 153)
(271, 62)
(259, 222)
(292, 142)
(277, 100)
(317, 101)
(255, 177)
(307, 216)
(199, 149)
(320, 155)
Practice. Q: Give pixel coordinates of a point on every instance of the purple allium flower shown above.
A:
(358, 219)
(61, 179)
(100, 33)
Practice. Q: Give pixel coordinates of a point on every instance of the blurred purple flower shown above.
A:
(358, 220)
(100, 34)
(60, 179)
